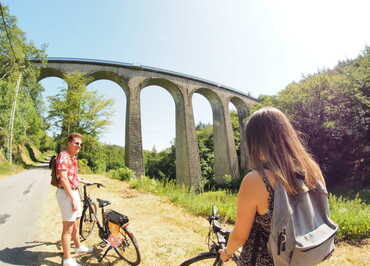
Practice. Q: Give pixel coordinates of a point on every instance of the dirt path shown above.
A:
(166, 234)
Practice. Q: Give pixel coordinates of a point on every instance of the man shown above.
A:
(69, 198)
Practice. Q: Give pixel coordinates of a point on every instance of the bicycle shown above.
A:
(113, 229)
(212, 257)
(88, 219)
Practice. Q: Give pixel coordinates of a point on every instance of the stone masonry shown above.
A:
(133, 78)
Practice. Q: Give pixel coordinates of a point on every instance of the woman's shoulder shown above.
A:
(255, 178)
(252, 181)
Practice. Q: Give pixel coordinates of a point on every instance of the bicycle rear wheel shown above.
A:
(129, 249)
(87, 221)
(209, 258)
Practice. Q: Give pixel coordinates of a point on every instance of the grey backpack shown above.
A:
(301, 230)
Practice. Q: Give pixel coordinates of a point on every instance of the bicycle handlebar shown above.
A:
(221, 233)
(94, 184)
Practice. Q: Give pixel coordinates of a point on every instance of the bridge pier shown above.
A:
(134, 158)
(188, 170)
(243, 113)
(226, 161)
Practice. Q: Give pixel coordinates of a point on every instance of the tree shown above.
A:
(20, 93)
(332, 110)
(78, 110)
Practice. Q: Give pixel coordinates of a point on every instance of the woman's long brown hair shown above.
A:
(272, 142)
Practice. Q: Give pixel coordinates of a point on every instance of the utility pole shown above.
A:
(11, 119)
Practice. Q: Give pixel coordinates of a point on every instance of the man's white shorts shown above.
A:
(65, 205)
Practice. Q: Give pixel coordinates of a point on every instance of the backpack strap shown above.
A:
(269, 187)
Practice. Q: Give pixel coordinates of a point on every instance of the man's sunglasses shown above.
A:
(77, 143)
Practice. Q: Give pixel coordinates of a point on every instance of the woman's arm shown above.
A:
(247, 200)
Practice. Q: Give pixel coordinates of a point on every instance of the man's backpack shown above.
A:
(301, 230)
(52, 166)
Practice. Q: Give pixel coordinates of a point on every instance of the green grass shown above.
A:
(351, 214)
(7, 169)
(198, 204)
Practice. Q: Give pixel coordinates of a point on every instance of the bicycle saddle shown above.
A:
(103, 203)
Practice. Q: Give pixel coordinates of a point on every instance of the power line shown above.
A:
(7, 32)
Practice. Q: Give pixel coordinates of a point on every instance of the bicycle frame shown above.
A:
(214, 246)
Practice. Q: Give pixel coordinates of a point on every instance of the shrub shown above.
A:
(122, 174)
(83, 168)
(352, 217)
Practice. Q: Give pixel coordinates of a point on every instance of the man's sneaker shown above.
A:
(70, 262)
(83, 249)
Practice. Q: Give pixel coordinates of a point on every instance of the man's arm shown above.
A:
(67, 188)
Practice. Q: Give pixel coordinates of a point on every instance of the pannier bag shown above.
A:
(302, 234)
(116, 217)
(115, 238)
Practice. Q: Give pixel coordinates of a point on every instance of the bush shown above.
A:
(122, 174)
(83, 168)
(352, 217)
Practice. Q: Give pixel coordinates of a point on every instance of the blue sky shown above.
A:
(255, 46)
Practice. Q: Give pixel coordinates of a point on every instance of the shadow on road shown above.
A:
(24, 256)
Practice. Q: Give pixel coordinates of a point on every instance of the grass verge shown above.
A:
(352, 215)
(7, 169)
(198, 204)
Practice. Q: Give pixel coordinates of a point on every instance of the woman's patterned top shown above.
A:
(254, 250)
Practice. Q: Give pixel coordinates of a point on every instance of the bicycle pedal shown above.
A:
(102, 244)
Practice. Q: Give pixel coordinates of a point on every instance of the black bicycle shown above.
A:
(113, 229)
(216, 240)
(88, 217)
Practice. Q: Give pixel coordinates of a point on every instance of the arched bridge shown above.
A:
(133, 78)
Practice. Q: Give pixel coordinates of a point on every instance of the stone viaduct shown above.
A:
(133, 78)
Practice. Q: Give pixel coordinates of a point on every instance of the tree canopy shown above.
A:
(25, 123)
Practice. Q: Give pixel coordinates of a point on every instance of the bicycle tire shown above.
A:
(128, 248)
(208, 258)
(87, 221)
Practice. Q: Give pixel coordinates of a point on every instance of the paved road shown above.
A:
(21, 200)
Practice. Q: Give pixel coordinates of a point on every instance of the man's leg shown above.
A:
(66, 238)
(76, 238)
(76, 234)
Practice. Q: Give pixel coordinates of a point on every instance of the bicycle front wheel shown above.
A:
(87, 221)
(209, 258)
(129, 249)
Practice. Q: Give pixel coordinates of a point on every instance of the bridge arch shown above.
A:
(106, 75)
(226, 161)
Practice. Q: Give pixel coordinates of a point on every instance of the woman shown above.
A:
(277, 155)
